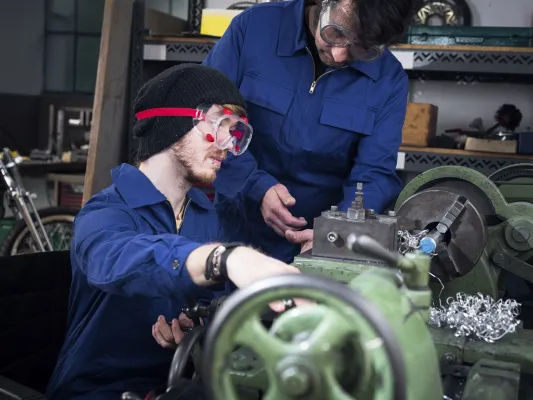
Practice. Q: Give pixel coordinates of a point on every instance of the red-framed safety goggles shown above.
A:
(217, 124)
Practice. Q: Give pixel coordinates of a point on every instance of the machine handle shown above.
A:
(366, 245)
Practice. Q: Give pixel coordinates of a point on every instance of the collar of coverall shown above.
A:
(138, 191)
(292, 38)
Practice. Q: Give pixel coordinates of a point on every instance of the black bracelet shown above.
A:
(215, 266)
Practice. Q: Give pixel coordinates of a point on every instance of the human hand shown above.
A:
(275, 213)
(170, 335)
(303, 238)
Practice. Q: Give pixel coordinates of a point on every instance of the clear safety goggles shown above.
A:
(337, 29)
(217, 124)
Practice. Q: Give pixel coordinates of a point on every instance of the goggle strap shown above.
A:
(169, 112)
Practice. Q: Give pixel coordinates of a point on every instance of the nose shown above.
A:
(340, 54)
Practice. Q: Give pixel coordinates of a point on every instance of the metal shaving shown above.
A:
(409, 242)
(477, 316)
(473, 316)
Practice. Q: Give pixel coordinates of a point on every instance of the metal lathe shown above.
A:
(373, 282)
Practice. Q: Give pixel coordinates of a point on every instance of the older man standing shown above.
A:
(327, 100)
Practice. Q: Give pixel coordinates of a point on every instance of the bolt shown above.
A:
(392, 213)
(295, 381)
(448, 358)
(240, 363)
(334, 208)
(332, 237)
(498, 258)
(521, 234)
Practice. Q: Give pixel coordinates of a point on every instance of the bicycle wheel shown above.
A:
(57, 222)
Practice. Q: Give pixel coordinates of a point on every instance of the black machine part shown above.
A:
(182, 356)
(197, 311)
(454, 223)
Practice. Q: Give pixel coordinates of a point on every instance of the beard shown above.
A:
(196, 170)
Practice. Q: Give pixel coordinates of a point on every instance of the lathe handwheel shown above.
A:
(305, 367)
(183, 355)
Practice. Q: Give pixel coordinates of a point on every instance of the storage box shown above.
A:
(420, 125)
(470, 36)
(215, 21)
(491, 145)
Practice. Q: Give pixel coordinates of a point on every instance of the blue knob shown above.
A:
(427, 245)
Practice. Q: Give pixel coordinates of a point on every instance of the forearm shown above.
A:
(196, 264)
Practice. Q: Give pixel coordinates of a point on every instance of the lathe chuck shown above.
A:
(453, 222)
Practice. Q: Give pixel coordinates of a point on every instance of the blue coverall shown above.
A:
(317, 137)
(127, 269)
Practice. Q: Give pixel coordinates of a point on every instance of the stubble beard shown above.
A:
(186, 159)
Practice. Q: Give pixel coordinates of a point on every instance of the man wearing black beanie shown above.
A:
(150, 240)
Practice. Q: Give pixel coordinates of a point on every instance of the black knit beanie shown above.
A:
(184, 86)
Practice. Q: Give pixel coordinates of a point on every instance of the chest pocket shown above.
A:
(340, 129)
(268, 105)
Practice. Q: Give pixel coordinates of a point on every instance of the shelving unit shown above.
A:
(484, 63)
(456, 63)
(416, 160)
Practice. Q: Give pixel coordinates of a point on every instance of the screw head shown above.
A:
(332, 237)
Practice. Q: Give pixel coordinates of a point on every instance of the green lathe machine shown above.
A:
(365, 335)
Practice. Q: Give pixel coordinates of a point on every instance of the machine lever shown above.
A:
(513, 265)
(366, 245)
(198, 311)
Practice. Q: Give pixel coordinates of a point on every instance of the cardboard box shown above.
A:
(215, 21)
(420, 125)
(491, 145)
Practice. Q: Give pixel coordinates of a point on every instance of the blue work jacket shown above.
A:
(128, 267)
(317, 137)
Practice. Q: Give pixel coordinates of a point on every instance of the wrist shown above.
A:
(216, 262)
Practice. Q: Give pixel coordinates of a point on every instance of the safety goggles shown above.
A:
(215, 123)
(337, 29)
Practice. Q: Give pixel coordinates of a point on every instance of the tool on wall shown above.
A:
(443, 13)
(68, 135)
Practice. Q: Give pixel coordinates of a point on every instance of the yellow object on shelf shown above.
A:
(215, 21)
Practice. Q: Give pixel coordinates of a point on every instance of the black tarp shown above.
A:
(33, 313)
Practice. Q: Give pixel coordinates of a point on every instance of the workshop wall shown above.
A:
(484, 12)
(21, 71)
(21, 46)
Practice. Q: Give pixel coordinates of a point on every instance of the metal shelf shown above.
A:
(466, 59)
(182, 50)
(419, 160)
(463, 61)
